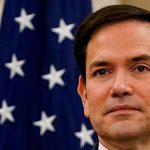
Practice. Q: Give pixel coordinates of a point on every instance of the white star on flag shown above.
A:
(64, 31)
(85, 136)
(15, 66)
(54, 77)
(6, 112)
(45, 123)
(25, 20)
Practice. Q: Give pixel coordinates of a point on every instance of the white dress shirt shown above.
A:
(101, 147)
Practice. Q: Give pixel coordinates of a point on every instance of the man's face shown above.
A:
(116, 95)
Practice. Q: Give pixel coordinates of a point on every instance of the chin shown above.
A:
(122, 130)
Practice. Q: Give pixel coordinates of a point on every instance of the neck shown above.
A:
(138, 143)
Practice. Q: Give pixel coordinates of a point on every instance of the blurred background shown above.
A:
(140, 3)
(39, 105)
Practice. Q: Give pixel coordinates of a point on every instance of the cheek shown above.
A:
(98, 90)
(97, 99)
(143, 90)
(97, 95)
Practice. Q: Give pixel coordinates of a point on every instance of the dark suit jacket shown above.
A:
(95, 147)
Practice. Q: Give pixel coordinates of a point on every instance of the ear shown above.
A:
(83, 94)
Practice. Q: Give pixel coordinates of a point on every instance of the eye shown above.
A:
(101, 72)
(143, 68)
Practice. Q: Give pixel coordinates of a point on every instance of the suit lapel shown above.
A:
(95, 147)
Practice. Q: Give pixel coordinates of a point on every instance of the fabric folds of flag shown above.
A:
(39, 105)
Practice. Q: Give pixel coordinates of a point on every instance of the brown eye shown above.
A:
(101, 72)
(142, 68)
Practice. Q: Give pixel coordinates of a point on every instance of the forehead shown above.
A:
(119, 40)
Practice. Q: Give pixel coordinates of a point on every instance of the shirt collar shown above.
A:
(101, 147)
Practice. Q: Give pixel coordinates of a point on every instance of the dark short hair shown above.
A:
(105, 16)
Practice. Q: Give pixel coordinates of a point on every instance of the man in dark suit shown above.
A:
(95, 147)
(112, 50)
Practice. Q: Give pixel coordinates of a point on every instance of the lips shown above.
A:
(122, 108)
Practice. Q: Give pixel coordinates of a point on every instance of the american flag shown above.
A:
(39, 105)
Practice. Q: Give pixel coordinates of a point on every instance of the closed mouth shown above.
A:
(122, 108)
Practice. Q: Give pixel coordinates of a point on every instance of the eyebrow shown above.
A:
(143, 57)
(102, 63)
(99, 63)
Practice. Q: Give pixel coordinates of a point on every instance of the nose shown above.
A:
(121, 86)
